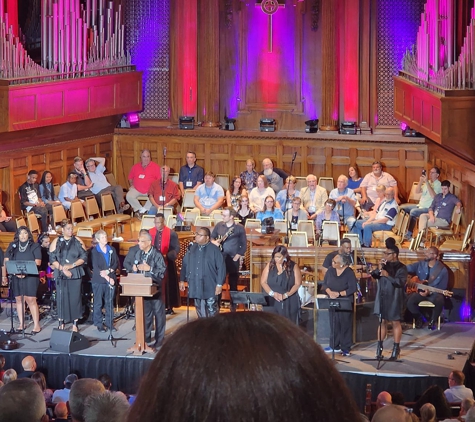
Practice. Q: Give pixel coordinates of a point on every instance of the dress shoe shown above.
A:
(169, 311)
(101, 329)
(431, 325)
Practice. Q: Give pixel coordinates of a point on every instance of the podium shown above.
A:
(138, 286)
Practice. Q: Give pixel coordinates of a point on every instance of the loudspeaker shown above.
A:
(67, 341)
(186, 122)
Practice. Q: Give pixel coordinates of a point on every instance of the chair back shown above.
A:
(77, 211)
(280, 225)
(189, 199)
(108, 205)
(216, 216)
(398, 222)
(33, 222)
(84, 232)
(456, 220)
(203, 221)
(56, 188)
(403, 227)
(416, 241)
(307, 226)
(111, 178)
(171, 221)
(253, 223)
(298, 239)
(147, 222)
(301, 183)
(92, 208)
(59, 214)
(413, 196)
(174, 177)
(223, 181)
(466, 237)
(330, 232)
(354, 239)
(190, 215)
(327, 183)
(20, 222)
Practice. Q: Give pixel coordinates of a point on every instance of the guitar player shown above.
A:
(434, 273)
(231, 238)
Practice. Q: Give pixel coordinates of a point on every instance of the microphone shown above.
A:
(14, 245)
(164, 151)
(190, 245)
(294, 157)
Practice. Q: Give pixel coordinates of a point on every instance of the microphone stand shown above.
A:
(289, 221)
(163, 178)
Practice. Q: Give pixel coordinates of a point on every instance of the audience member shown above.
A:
(346, 201)
(428, 413)
(249, 177)
(100, 184)
(427, 188)
(69, 191)
(156, 196)
(6, 222)
(270, 210)
(191, 174)
(371, 181)
(313, 197)
(258, 195)
(175, 389)
(392, 413)
(81, 390)
(84, 183)
(9, 376)
(61, 412)
(29, 367)
(106, 381)
(465, 406)
(440, 211)
(62, 394)
(106, 407)
(383, 399)
(354, 179)
(285, 197)
(30, 199)
(141, 177)
(470, 416)
(47, 191)
(328, 214)
(435, 396)
(384, 219)
(204, 269)
(209, 196)
(275, 176)
(22, 401)
(295, 214)
(244, 212)
(40, 379)
(234, 193)
(435, 273)
(345, 249)
(457, 390)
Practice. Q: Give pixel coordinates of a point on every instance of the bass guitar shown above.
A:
(221, 239)
(415, 285)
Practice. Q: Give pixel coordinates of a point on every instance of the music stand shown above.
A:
(341, 303)
(248, 298)
(22, 268)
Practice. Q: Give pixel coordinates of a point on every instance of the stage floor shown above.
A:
(425, 354)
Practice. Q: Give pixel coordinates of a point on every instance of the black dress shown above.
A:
(27, 286)
(69, 289)
(282, 283)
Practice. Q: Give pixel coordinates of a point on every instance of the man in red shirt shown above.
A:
(158, 198)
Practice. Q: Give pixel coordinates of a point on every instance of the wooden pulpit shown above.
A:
(139, 286)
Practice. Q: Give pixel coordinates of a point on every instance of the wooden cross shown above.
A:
(269, 7)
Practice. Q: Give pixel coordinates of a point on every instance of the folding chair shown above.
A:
(446, 232)
(188, 199)
(20, 222)
(381, 235)
(281, 225)
(330, 232)
(223, 181)
(33, 222)
(107, 204)
(92, 208)
(171, 221)
(77, 211)
(413, 195)
(253, 223)
(147, 222)
(56, 188)
(59, 214)
(174, 177)
(354, 239)
(203, 221)
(298, 239)
(307, 226)
(301, 183)
(111, 178)
(216, 216)
(190, 216)
(327, 183)
(84, 232)
(458, 245)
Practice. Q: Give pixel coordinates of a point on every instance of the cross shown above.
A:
(269, 7)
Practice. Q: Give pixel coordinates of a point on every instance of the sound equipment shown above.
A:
(348, 128)
(267, 125)
(186, 122)
(67, 341)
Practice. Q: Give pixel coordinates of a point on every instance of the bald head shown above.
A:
(61, 410)
(383, 399)
(22, 401)
(28, 363)
(392, 413)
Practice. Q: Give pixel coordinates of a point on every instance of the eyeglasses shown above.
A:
(200, 234)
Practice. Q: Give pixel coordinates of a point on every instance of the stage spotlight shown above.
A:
(129, 120)
(267, 125)
(348, 128)
(411, 133)
(228, 124)
(312, 126)
(186, 122)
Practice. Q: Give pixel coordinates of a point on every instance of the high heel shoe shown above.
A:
(61, 325)
(75, 326)
(379, 350)
(396, 352)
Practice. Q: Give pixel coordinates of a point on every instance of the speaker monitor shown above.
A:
(267, 125)
(67, 341)
(186, 122)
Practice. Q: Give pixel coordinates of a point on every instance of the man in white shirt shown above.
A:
(370, 183)
(69, 191)
(313, 197)
(457, 391)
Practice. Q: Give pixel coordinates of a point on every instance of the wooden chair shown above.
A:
(33, 223)
(298, 239)
(253, 223)
(458, 245)
(92, 208)
(190, 216)
(203, 221)
(85, 232)
(413, 196)
(56, 188)
(381, 235)
(450, 232)
(223, 181)
(188, 199)
(307, 226)
(59, 214)
(147, 222)
(327, 183)
(20, 222)
(111, 178)
(77, 211)
(107, 204)
(416, 241)
(330, 232)
(426, 304)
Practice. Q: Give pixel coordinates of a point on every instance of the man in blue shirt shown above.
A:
(433, 271)
(191, 175)
(345, 200)
(210, 196)
(440, 212)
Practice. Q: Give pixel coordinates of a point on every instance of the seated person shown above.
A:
(285, 196)
(30, 199)
(249, 176)
(69, 191)
(100, 184)
(275, 176)
(244, 212)
(368, 186)
(433, 271)
(345, 200)
(295, 214)
(6, 223)
(270, 210)
(328, 214)
(259, 194)
(83, 181)
(313, 197)
(382, 220)
(457, 392)
(234, 193)
(158, 199)
(209, 196)
(47, 191)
